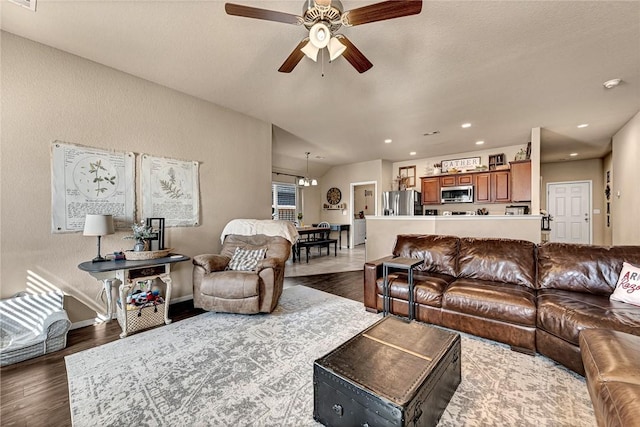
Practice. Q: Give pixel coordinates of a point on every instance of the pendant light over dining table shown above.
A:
(306, 181)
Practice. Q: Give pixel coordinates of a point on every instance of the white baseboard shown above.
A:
(100, 319)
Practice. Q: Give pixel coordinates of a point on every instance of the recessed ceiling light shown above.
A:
(388, 141)
(413, 153)
(584, 125)
(479, 142)
(466, 125)
(573, 154)
(433, 132)
(610, 84)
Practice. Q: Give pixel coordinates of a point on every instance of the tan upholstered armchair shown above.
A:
(246, 292)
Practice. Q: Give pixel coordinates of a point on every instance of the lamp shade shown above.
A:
(98, 225)
(336, 48)
(311, 51)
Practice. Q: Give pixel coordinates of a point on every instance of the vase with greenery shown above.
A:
(300, 218)
(141, 234)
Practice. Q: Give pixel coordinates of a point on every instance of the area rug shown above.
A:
(224, 369)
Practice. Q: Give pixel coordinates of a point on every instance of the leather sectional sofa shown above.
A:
(535, 298)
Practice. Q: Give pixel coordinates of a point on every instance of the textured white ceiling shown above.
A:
(505, 67)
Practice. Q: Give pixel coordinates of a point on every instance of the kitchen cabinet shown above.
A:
(431, 191)
(483, 188)
(521, 181)
(502, 186)
(456, 180)
(493, 187)
(360, 231)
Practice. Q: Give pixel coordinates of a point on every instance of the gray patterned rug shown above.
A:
(224, 370)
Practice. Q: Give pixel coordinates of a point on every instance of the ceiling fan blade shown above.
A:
(354, 56)
(256, 13)
(290, 63)
(380, 11)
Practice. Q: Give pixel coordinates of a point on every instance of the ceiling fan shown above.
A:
(323, 18)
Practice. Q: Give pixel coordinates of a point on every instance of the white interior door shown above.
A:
(569, 204)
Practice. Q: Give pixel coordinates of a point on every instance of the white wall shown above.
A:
(625, 192)
(341, 177)
(51, 95)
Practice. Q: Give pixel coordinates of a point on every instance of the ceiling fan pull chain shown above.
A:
(322, 53)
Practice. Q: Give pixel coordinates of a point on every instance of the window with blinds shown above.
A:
(284, 202)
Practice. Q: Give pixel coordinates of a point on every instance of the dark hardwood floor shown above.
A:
(35, 392)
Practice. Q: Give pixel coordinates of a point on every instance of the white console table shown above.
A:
(128, 271)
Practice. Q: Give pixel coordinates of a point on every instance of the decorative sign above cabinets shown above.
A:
(460, 164)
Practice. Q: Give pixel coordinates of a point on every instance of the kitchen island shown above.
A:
(382, 230)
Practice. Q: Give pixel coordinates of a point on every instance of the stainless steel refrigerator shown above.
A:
(407, 202)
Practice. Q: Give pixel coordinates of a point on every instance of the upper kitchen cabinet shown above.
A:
(431, 191)
(492, 187)
(456, 180)
(521, 181)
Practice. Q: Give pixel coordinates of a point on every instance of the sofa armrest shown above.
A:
(211, 262)
(372, 271)
(268, 263)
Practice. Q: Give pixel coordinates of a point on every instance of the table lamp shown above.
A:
(98, 225)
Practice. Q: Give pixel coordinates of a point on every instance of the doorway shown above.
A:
(569, 204)
(363, 199)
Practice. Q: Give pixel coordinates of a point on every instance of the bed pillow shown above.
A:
(628, 286)
(246, 259)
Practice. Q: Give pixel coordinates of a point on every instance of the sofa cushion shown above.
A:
(613, 375)
(428, 288)
(492, 300)
(439, 252)
(583, 268)
(231, 285)
(565, 314)
(497, 260)
(628, 286)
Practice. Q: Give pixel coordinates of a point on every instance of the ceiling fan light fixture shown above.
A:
(319, 35)
(314, 182)
(310, 51)
(336, 48)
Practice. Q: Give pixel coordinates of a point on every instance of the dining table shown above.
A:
(308, 234)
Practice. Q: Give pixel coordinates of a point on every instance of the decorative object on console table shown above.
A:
(141, 233)
(98, 225)
(146, 255)
(156, 225)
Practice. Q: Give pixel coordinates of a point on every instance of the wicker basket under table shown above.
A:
(137, 319)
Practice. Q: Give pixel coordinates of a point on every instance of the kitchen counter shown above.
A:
(382, 230)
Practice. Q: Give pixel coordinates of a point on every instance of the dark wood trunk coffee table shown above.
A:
(394, 373)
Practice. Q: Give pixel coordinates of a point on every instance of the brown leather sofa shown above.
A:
(245, 292)
(612, 364)
(531, 297)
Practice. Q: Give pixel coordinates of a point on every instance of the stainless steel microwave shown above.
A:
(461, 194)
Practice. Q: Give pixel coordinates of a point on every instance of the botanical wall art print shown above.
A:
(170, 190)
(87, 180)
